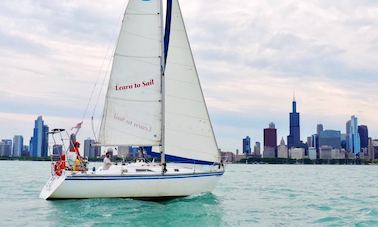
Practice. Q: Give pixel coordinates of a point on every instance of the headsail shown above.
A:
(132, 112)
(188, 131)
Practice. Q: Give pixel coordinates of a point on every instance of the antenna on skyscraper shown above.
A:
(294, 96)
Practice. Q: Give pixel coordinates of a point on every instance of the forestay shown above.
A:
(188, 129)
(132, 112)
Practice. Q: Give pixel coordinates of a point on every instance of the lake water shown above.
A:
(247, 195)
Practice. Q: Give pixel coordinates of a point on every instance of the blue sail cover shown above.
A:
(177, 159)
(167, 29)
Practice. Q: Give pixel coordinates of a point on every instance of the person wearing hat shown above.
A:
(107, 162)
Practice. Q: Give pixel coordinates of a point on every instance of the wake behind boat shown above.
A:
(154, 99)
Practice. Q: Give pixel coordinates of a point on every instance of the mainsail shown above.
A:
(188, 132)
(133, 112)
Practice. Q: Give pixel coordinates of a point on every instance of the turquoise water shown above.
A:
(247, 195)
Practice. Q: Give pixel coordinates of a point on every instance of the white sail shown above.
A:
(188, 130)
(132, 112)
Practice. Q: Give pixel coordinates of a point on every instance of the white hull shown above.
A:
(130, 185)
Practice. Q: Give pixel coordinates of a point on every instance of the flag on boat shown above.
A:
(78, 125)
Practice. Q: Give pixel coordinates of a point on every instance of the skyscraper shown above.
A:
(347, 144)
(40, 140)
(282, 150)
(247, 145)
(364, 135)
(257, 149)
(18, 146)
(353, 138)
(93, 151)
(319, 128)
(331, 138)
(293, 140)
(270, 141)
(6, 148)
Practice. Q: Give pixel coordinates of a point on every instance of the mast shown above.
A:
(162, 69)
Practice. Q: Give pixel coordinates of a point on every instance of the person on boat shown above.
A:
(77, 165)
(107, 162)
(74, 154)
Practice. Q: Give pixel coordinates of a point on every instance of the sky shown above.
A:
(251, 57)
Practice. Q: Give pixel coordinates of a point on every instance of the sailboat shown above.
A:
(154, 98)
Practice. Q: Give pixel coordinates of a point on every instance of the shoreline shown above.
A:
(250, 161)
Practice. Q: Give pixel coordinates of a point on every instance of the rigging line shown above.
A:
(120, 18)
(97, 79)
(95, 85)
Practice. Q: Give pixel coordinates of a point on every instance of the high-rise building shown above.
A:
(343, 141)
(293, 140)
(282, 150)
(374, 144)
(40, 140)
(18, 145)
(312, 153)
(6, 148)
(270, 141)
(364, 135)
(319, 128)
(309, 141)
(347, 127)
(247, 146)
(257, 149)
(331, 138)
(353, 137)
(325, 152)
(25, 151)
(94, 151)
(315, 141)
(297, 153)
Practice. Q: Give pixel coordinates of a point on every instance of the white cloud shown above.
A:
(251, 56)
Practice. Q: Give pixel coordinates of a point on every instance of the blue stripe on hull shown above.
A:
(153, 177)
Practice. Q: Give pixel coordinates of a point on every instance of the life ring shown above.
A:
(57, 168)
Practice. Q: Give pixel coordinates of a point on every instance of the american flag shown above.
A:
(78, 125)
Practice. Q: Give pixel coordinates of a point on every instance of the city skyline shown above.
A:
(54, 57)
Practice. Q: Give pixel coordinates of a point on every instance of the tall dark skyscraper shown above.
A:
(293, 140)
(364, 135)
(40, 140)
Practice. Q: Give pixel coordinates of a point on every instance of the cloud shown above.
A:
(251, 57)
